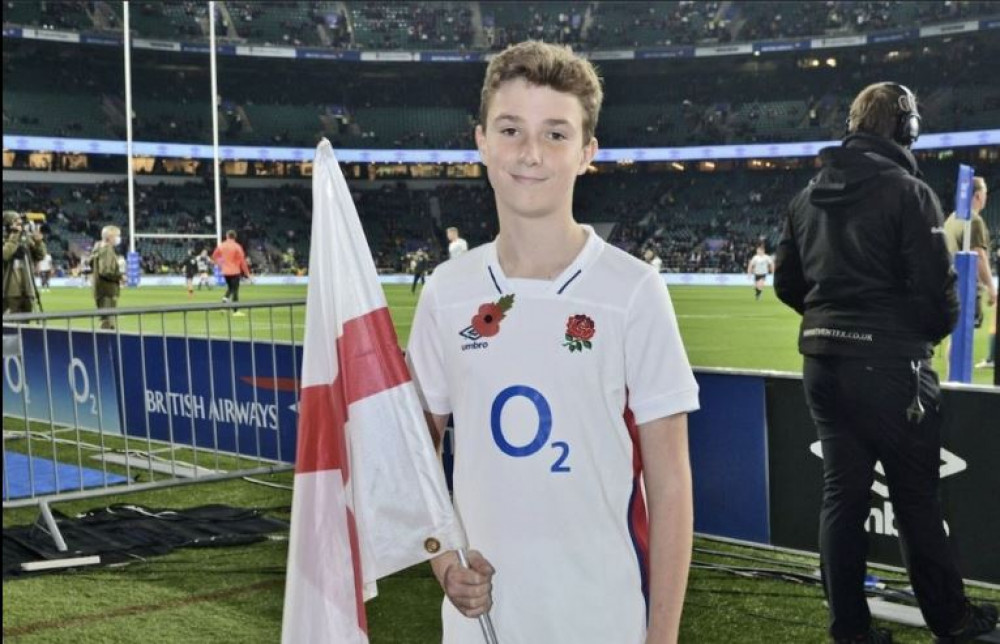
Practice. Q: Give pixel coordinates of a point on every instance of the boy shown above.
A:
(560, 358)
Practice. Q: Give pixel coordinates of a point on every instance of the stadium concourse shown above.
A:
(713, 115)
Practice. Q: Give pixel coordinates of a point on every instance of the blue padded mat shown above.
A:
(44, 471)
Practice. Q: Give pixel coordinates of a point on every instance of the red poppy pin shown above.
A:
(580, 331)
(486, 321)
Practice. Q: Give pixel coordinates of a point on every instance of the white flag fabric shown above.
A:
(370, 497)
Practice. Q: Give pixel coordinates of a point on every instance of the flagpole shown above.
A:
(485, 621)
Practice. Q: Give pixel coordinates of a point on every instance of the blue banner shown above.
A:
(133, 269)
(960, 356)
(669, 52)
(233, 396)
(77, 390)
(327, 54)
(105, 40)
(963, 193)
(893, 36)
(781, 45)
(728, 440)
(451, 56)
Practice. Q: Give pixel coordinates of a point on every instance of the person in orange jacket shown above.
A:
(232, 262)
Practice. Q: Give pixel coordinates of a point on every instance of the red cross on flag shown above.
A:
(370, 497)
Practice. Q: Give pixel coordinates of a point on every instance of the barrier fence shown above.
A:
(171, 396)
(188, 394)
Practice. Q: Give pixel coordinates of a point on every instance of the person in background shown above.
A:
(760, 266)
(979, 243)
(862, 260)
(204, 270)
(107, 274)
(991, 351)
(190, 266)
(653, 259)
(45, 271)
(21, 249)
(232, 262)
(419, 264)
(456, 245)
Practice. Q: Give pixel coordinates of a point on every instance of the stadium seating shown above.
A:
(647, 24)
(166, 20)
(411, 25)
(509, 22)
(449, 25)
(280, 23)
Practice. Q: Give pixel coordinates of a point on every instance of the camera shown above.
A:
(13, 224)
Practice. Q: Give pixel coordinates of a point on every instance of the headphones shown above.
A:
(908, 120)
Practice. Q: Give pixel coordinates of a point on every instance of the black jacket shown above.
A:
(863, 256)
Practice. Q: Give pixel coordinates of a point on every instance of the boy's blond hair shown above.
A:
(546, 65)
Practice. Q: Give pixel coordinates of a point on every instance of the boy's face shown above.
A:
(533, 148)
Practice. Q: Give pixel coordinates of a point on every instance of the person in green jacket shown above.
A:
(107, 273)
(21, 249)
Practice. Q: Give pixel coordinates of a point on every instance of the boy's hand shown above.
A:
(469, 589)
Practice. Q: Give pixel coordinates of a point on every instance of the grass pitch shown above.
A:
(235, 594)
(721, 326)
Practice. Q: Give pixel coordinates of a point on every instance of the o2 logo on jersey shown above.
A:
(541, 434)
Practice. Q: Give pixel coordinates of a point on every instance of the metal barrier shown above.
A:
(170, 396)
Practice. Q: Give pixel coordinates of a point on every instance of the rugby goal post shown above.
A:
(133, 263)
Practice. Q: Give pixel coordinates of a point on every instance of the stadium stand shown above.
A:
(645, 24)
(411, 25)
(493, 25)
(509, 22)
(696, 221)
(792, 97)
(281, 23)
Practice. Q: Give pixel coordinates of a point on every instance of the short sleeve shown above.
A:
(979, 237)
(425, 356)
(658, 375)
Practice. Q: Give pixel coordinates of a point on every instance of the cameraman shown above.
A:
(864, 260)
(22, 247)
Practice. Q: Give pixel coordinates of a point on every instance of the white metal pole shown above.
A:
(128, 129)
(215, 121)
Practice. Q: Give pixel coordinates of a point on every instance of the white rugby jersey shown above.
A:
(541, 377)
(760, 264)
(457, 248)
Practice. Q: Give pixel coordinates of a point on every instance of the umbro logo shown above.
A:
(470, 333)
